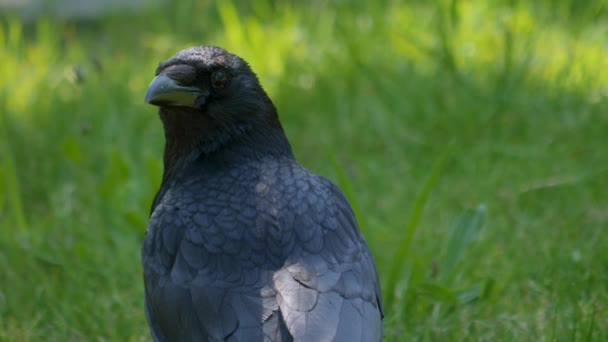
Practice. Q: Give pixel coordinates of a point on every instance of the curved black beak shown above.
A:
(165, 91)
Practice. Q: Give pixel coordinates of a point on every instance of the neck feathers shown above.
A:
(190, 134)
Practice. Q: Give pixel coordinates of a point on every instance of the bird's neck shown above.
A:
(190, 136)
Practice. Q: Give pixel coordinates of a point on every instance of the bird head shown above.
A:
(209, 81)
(210, 98)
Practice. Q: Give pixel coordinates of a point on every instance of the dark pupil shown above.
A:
(219, 77)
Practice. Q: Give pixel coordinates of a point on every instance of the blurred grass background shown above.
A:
(470, 137)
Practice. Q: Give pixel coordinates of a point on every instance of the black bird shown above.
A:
(243, 243)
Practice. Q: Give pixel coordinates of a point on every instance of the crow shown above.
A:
(243, 243)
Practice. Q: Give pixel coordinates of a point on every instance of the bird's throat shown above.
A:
(190, 134)
(185, 129)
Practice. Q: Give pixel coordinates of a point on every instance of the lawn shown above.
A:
(470, 137)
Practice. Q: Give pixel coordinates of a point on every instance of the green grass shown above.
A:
(469, 135)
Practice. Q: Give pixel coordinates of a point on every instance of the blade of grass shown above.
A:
(11, 182)
(463, 232)
(589, 336)
(438, 292)
(231, 23)
(343, 183)
(412, 224)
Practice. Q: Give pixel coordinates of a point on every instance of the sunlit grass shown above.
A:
(371, 95)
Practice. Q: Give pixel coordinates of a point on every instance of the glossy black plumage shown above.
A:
(244, 244)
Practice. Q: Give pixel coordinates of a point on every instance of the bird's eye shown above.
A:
(219, 78)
